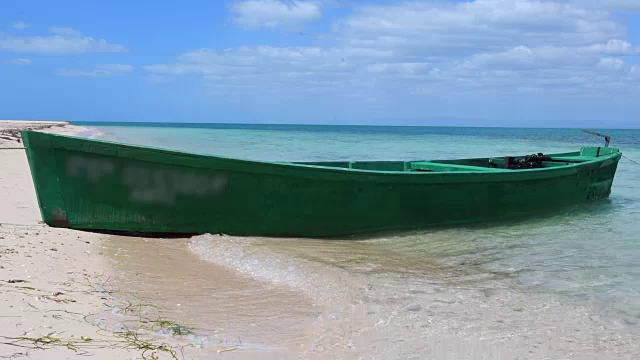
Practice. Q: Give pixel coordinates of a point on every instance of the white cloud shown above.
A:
(268, 59)
(63, 41)
(611, 5)
(400, 68)
(501, 46)
(468, 27)
(551, 56)
(615, 47)
(519, 56)
(19, 61)
(20, 25)
(255, 14)
(101, 70)
(65, 31)
(609, 63)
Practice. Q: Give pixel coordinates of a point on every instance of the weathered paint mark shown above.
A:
(58, 217)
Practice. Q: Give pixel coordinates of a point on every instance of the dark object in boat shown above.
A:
(528, 162)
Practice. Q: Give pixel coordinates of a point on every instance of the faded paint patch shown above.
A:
(147, 184)
(162, 186)
(93, 169)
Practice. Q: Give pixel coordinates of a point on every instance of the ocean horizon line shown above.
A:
(248, 124)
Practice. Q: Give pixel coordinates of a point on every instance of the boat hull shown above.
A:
(86, 184)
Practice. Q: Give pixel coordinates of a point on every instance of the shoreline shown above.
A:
(10, 129)
(58, 299)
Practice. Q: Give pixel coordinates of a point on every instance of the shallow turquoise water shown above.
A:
(586, 255)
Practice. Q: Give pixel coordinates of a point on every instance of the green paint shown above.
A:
(90, 184)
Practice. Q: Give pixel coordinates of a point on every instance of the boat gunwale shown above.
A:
(505, 175)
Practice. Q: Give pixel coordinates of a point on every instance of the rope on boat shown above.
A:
(607, 138)
(12, 148)
(633, 161)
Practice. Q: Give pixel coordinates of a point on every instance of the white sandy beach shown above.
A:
(55, 285)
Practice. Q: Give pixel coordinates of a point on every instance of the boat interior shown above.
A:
(493, 164)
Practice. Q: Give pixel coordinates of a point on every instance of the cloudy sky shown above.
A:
(547, 63)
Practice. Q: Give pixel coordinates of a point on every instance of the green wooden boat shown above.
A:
(99, 185)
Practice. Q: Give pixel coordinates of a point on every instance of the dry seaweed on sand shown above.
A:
(128, 340)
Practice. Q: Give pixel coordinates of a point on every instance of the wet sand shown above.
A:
(225, 307)
(314, 299)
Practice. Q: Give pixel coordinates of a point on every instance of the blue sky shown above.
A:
(480, 63)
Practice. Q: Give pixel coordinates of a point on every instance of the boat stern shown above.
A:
(42, 160)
